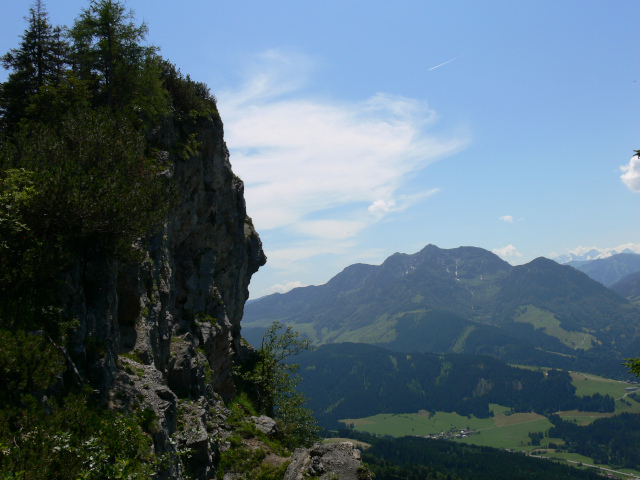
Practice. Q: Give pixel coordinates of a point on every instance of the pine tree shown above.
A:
(38, 60)
(108, 53)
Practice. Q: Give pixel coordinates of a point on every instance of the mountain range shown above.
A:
(611, 269)
(463, 300)
(593, 254)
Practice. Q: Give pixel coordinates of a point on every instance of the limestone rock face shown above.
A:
(327, 461)
(163, 333)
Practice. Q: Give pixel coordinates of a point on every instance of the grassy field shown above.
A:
(382, 330)
(503, 420)
(514, 436)
(544, 320)
(400, 424)
(587, 384)
(576, 458)
(503, 430)
(584, 418)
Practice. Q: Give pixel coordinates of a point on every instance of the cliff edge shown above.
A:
(164, 333)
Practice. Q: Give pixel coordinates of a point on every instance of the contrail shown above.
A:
(448, 61)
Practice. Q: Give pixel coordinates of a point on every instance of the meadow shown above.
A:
(504, 429)
(547, 321)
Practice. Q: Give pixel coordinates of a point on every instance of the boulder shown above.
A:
(326, 461)
(266, 425)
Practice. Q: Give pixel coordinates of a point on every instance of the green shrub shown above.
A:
(243, 460)
(71, 439)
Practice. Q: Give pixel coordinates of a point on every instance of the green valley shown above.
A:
(505, 429)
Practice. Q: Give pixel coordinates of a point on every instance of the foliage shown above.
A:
(108, 54)
(186, 95)
(28, 363)
(612, 441)
(42, 437)
(275, 380)
(349, 380)
(274, 374)
(93, 169)
(249, 463)
(74, 182)
(417, 458)
(74, 190)
(241, 460)
(38, 60)
(100, 62)
(79, 182)
(633, 366)
(72, 440)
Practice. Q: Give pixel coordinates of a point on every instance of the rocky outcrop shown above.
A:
(334, 460)
(162, 333)
(266, 425)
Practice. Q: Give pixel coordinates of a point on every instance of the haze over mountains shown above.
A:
(463, 300)
(609, 270)
(593, 254)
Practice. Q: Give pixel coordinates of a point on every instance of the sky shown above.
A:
(362, 129)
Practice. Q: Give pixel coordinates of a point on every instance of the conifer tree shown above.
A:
(109, 55)
(38, 60)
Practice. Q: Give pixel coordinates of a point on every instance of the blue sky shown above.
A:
(367, 128)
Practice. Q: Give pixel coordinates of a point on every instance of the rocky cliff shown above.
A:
(163, 333)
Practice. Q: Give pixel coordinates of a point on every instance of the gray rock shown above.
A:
(326, 461)
(176, 314)
(266, 424)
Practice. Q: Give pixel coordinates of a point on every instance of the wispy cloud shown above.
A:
(507, 252)
(284, 288)
(631, 175)
(324, 170)
(507, 218)
(290, 257)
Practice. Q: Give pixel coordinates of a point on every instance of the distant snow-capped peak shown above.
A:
(595, 254)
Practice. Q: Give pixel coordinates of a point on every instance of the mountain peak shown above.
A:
(463, 299)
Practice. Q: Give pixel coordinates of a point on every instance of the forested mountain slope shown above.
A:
(349, 380)
(628, 287)
(462, 300)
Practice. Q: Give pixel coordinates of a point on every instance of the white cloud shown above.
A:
(382, 206)
(631, 175)
(322, 168)
(508, 251)
(283, 288)
(607, 252)
(634, 247)
(582, 250)
(507, 218)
